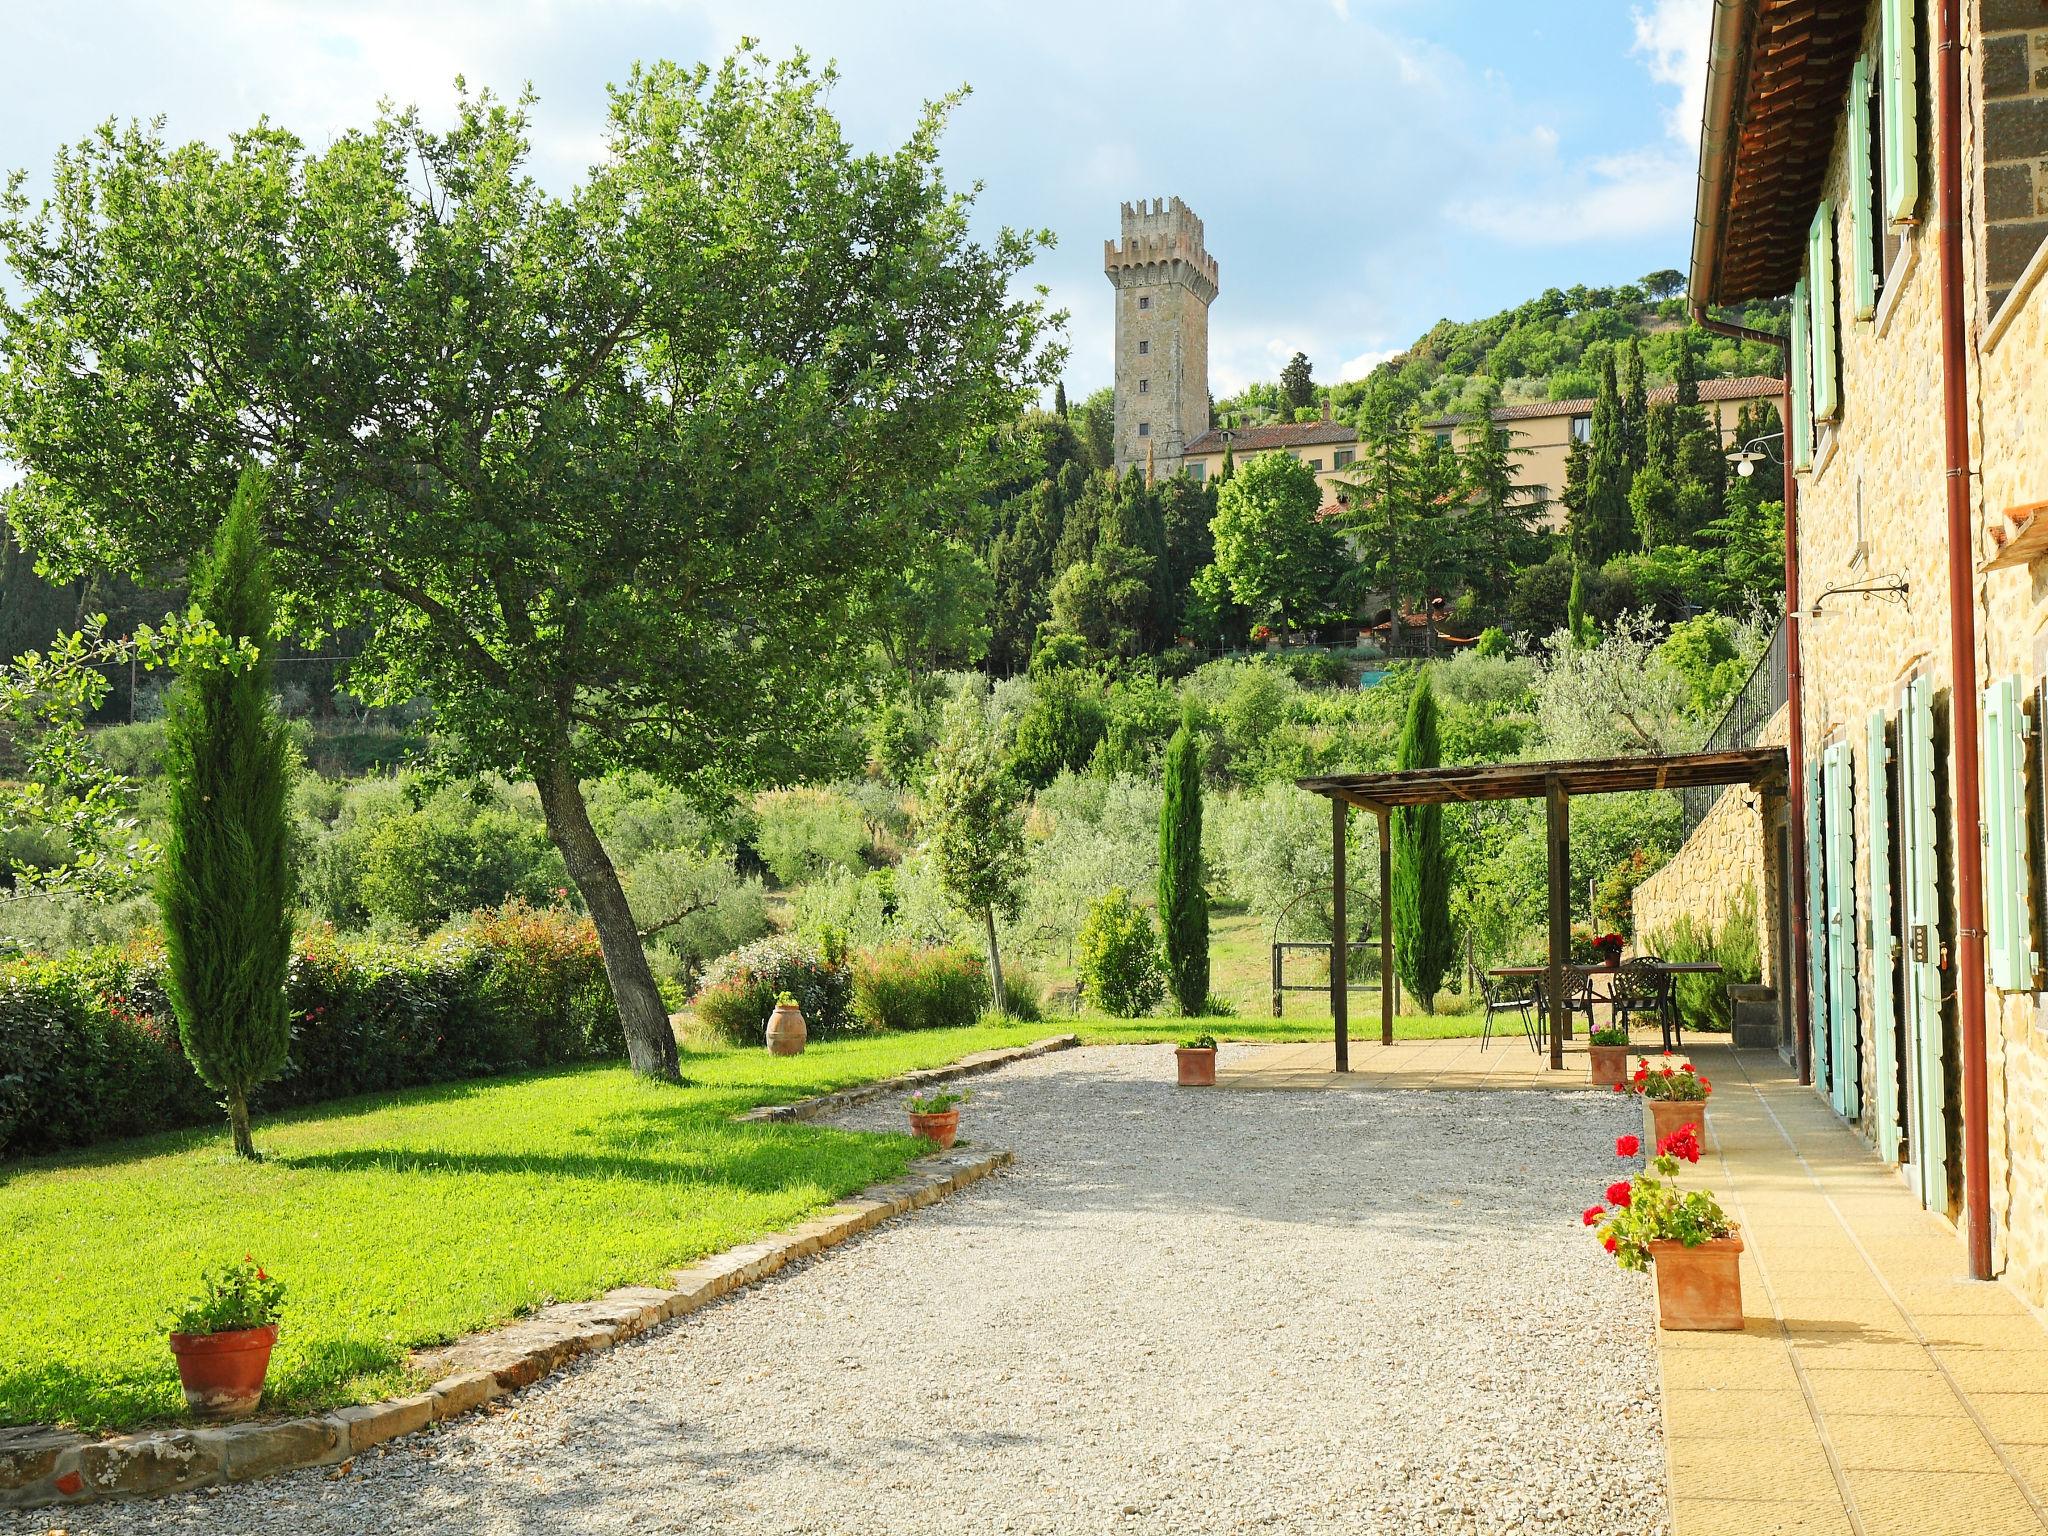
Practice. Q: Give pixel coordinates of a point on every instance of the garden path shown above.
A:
(1352, 1311)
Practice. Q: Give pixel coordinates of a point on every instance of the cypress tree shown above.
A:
(1183, 903)
(1635, 406)
(1422, 877)
(225, 894)
(1576, 621)
(1059, 399)
(1608, 526)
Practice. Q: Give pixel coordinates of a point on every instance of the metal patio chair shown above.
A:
(1643, 986)
(1507, 994)
(1578, 1000)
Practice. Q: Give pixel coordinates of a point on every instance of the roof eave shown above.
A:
(1727, 58)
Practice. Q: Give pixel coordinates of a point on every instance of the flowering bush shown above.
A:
(740, 989)
(1651, 1208)
(1677, 1083)
(235, 1296)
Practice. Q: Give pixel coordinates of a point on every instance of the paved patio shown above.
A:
(1506, 1063)
(1874, 1390)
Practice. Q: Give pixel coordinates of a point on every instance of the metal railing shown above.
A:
(1762, 695)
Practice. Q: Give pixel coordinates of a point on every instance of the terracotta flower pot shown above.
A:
(1698, 1288)
(222, 1373)
(1197, 1066)
(1609, 1062)
(941, 1127)
(1667, 1115)
(786, 1030)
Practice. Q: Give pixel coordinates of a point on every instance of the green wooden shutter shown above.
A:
(1801, 425)
(1845, 1079)
(1863, 239)
(1926, 1085)
(1820, 284)
(1899, 107)
(2007, 921)
(1816, 928)
(1884, 1066)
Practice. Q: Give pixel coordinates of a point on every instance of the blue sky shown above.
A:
(1363, 167)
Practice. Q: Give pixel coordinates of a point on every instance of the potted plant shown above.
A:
(1607, 1051)
(223, 1337)
(1674, 1095)
(1607, 949)
(786, 1031)
(1196, 1059)
(1685, 1234)
(936, 1116)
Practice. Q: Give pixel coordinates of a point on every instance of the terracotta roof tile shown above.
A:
(1293, 434)
(1752, 388)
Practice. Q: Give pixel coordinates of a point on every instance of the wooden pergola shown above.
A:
(1762, 768)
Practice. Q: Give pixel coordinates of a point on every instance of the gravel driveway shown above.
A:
(1371, 1310)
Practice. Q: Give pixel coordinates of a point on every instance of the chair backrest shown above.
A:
(1640, 980)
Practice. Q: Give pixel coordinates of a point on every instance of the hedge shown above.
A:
(900, 986)
(89, 1050)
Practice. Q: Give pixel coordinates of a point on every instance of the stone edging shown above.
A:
(967, 1066)
(43, 1467)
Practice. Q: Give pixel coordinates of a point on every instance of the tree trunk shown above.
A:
(650, 1042)
(995, 962)
(238, 1122)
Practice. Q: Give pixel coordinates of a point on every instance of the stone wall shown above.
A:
(1872, 511)
(2015, 129)
(1733, 850)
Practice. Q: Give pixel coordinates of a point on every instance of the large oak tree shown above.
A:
(613, 478)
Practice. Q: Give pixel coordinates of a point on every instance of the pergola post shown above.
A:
(1386, 932)
(1557, 830)
(1340, 962)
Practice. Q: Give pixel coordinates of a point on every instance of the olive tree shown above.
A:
(616, 479)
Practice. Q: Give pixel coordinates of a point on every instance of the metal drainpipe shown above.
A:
(1962, 622)
(1793, 965)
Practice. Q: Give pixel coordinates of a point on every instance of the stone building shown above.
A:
(1894, 182)
(1165, 280)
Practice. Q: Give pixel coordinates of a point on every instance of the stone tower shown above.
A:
(1165, 280)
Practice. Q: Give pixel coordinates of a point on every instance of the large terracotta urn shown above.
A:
(786, 1030)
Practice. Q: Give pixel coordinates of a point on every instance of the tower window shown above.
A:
(1144, 347)
(1144, 386)
(1144, 301)
(1144, 429)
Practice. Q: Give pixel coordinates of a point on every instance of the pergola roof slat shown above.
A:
(1762, 766)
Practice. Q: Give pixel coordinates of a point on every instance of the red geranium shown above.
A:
(1627, 1146)
(1620, 1193)
(1683, 1142)
(1609, 1244)
(1593, 1214)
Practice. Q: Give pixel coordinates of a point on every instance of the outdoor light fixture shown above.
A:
(1752, 453)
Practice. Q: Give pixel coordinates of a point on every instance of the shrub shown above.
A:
(88, 1051)
(803, 832)
(1119, 959)
(740, 989)
(422, 867)
(1060, 727)
(900, 986)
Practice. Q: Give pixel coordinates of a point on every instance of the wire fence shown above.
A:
(1762, 695)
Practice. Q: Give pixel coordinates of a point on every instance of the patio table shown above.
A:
(1666, 968)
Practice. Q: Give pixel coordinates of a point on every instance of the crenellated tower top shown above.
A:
(1163, 233)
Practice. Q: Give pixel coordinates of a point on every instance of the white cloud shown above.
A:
(1615, 197)
(1674, 35)
(1358, 367)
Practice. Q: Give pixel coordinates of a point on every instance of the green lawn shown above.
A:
(407, 1219)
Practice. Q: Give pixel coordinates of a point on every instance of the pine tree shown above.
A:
(1183, 901)
(1423, 944)
(1498, 528)
(1297, 386)
(226, 891)
(1383, 510)
(1576, 459)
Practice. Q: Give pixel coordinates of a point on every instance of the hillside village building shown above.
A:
(1894, 181)
(1165, 281)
